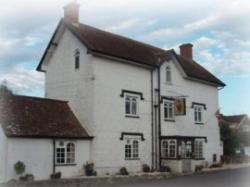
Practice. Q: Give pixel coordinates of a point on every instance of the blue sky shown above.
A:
(219, 31)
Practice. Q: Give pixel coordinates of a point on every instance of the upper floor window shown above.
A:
(198, 114)
(169, 110)
(132, 149)
(198, 149)
(65, 153)
(77, 59)
(168, 74)
(131, 105)
(168, 148)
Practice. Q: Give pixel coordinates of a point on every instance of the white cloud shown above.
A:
(124, 25)
(24, 81)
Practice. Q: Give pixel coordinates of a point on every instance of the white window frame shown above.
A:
(198, 149)
(132, 148)
(132, 100)
(63, 156)
(198, 113)
(171, 145)
(168, 74)
(169, 110)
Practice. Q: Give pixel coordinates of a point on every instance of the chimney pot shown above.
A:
(71, 12)
(186, 51)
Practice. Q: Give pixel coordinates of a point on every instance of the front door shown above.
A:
(186, 150)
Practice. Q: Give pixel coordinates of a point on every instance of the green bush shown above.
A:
(56, 175)
(145, 168)
(27, 177)
(123, 171)
(19, 168)
(89, 169)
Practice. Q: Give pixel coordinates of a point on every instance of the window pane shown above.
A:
(127, 107)
(135, 149)
(134, 107)
(70, 153)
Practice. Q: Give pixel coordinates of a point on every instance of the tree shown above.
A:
(4, 90)
(230, 139)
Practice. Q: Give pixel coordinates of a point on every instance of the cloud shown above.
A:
(24, 81)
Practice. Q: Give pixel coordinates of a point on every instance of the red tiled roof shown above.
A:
(22, 116)
(233, 118)
(110, 44)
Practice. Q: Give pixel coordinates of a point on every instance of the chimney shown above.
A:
(71, 12)
(186, 51)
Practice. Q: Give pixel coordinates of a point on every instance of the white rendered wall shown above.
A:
(185, 125)
(63, 81)
(3, 155)
(111, 77)
(37, 155)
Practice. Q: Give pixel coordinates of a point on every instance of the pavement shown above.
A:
(228, 178)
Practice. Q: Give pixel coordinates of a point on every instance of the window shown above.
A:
(169, 110)
(198, 149)
(186, 149)
(168, 149)
(131, 107)
(65, 153)
(132, 149)
(198, 117)
(168, 74)
(77, 59)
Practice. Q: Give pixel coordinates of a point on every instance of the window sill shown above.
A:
(132, 159)
(132, 116)
(199, 123)
(169, 120)
(65, 164)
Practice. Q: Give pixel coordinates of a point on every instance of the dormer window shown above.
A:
(168, 74)
(77, 59)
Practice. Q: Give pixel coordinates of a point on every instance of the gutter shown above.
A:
(54, 155)
(152, 121)
(159, 114)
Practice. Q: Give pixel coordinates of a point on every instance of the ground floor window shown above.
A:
(198, 149)
(65, 152)
(131, 149)
(168, 148)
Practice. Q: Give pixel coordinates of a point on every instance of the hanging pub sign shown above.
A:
(180, 106)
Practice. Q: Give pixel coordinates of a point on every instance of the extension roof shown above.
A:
(106, 43)
(32, 117)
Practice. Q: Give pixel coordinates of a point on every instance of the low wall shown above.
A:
(89, 182)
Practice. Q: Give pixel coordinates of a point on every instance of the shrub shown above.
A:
(198, 168)
(216, 165)
(89, 169)
(56, 175)
(165, 169)
(145, 168)
(27, 177)
(123, 171)
(19, 168)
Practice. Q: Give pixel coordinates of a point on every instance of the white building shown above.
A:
(140, 104)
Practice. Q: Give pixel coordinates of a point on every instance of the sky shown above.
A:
(219, 31)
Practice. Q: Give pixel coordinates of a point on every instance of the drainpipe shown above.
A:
(159, 114)
(54, 155)
(152, 121)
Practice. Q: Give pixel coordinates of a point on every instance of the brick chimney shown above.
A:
(186, 51)
(71, 12)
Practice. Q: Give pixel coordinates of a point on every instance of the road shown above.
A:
(229, 178)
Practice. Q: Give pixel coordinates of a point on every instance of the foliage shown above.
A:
(27, 177)
(199, 168)
(89, 169)
(123, 171)
(4, 90)
(216, 165)
(230, 139)
(165, 169)
(145, 168)
(56, 175)
(19, 168)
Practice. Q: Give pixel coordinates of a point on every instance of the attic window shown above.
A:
(168, 74)
(77, 59)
